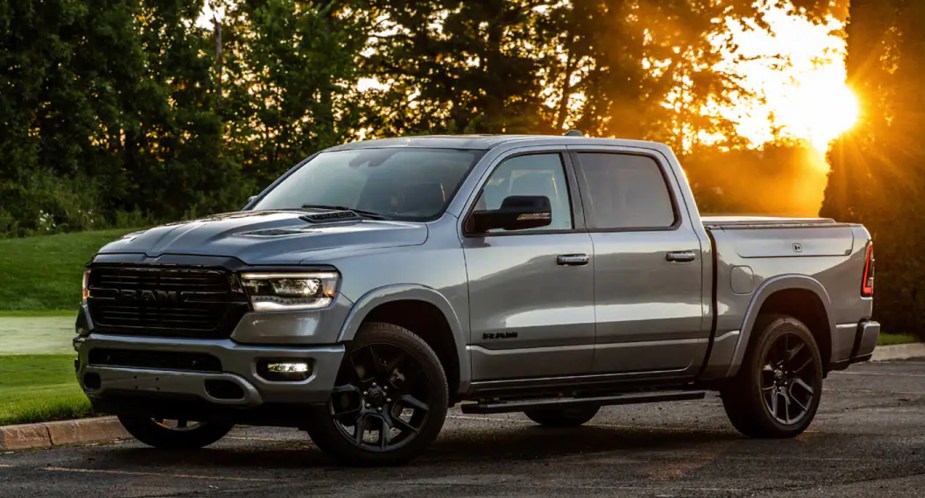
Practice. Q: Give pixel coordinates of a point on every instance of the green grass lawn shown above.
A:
(38, 304)
(37, 381)
(36, 388)
(891, 339)
(43, 272)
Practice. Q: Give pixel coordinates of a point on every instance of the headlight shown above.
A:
(290, 291)
(85, 288)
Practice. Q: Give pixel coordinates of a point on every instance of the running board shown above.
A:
(545, 403)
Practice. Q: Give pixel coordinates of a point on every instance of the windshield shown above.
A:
(400, 183)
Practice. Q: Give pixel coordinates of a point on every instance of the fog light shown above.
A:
(92, 381)
(284, 370)
(298, 367)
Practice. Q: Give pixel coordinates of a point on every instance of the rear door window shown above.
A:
(624, 191)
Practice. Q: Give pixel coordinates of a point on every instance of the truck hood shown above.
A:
(269, 237)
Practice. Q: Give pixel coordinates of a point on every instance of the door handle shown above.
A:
(572, 259)
(680, 256)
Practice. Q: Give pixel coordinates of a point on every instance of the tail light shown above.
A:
(867, 285)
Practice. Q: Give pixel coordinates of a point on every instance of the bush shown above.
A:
(45, 204)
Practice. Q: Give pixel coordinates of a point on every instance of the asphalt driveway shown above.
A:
(868, 439)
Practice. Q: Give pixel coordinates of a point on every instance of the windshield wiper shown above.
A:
(362, 212)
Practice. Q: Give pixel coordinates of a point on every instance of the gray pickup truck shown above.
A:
(378, 283)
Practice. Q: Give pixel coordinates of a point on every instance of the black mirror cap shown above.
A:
(517, 212)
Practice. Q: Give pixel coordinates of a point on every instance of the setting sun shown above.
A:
(828, 110)
(795, 74)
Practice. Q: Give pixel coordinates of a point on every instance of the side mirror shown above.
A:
(517, 212)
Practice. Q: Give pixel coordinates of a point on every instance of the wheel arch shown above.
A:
(799, 296)
(411, 306)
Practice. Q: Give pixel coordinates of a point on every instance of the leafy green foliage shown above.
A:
(136, 109)
(878, 170)
(292, 73)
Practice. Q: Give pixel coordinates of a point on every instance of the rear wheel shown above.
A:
(563, 417)
(389, 401)
(174, 434)
(777, 390)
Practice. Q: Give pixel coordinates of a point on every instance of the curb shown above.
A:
(66, 432)
(899, 352)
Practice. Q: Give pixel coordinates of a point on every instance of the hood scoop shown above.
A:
(330, 216)
(278, 232)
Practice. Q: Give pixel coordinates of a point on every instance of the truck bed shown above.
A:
(813, 255)
(763, 222)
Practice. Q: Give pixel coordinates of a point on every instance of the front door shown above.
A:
(531, 291)
(647, 262)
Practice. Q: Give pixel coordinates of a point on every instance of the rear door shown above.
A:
(647, 285)
(531, 291)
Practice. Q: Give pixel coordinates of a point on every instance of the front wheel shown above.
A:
(389, 400)
(777, 390)
(174, 434)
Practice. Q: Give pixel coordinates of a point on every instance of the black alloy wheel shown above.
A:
(389, 400)
(779, 385)
(787, 377)
(381, 399)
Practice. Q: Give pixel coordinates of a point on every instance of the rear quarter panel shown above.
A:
(754, 263)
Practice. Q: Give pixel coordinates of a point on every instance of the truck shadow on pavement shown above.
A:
(516, 444)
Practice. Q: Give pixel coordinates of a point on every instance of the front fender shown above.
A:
(411, 292)
(769, 287)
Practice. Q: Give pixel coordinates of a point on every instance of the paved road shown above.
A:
(868, 440)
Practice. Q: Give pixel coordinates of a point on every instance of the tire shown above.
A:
(777, 390)
(390, 379)
(180, 436)
(563, 417)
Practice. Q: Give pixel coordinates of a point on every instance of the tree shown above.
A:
(457, 67)
(290, 75)
(648, 69)
(63, 89)
(173, 145)
(878, 169)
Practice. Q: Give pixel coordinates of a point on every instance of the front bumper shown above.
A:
(238, 367)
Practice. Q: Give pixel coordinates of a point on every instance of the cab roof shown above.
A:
(486, 142)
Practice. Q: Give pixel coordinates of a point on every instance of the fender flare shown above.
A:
(769, 287)
(411, 292)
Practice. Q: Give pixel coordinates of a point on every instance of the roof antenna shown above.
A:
(573, 133)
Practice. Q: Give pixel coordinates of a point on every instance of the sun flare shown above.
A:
(826, 109)
(795, 74)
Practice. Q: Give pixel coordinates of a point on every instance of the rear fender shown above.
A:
(768, 288)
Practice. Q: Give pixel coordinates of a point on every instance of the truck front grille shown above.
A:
(165, 301)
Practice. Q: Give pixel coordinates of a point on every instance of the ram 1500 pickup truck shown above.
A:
(378, 283)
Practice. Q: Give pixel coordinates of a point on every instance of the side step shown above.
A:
(616, 399)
